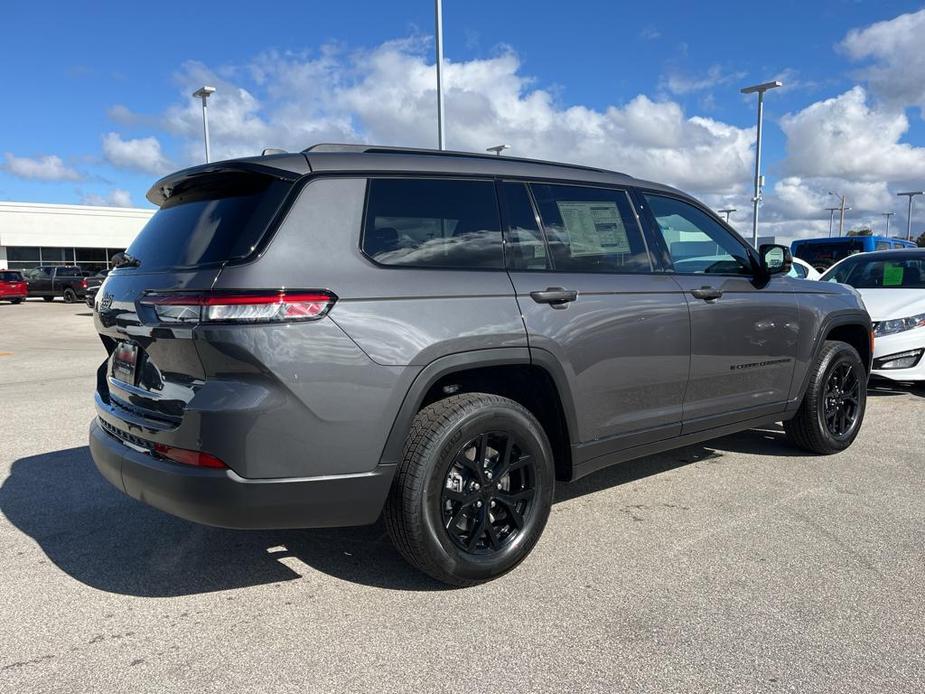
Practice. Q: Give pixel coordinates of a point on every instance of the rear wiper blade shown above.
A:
(125, 260)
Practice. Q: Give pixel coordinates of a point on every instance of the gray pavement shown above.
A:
(737, 565)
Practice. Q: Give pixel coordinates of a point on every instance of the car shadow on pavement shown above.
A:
(881, 387)
(111, 542)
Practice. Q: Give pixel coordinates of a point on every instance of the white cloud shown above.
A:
(894, 49)
(847, 137)
(45, 168)
(142, 154)
(114, 198)
(678, 83)
(387, 95)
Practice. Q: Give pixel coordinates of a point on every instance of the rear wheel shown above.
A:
(832, 410)
(70, 296)
(473, 490)
(15, 301)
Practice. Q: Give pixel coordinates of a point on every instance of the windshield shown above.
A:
(827, 253)
(876, 272)
(222, 218)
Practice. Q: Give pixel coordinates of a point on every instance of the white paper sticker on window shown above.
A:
(594, 228)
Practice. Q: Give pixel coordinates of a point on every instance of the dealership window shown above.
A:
(88, 259)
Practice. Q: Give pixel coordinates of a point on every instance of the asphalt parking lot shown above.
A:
(738, 565)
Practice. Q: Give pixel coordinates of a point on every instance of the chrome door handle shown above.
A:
(555, 296)
(707, 293)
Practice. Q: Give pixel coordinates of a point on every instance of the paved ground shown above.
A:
(734, 566)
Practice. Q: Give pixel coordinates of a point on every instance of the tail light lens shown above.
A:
(83, 283)
(241, 307)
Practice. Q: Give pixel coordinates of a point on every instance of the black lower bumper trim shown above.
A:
(224, 499)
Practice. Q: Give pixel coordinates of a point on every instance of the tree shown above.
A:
(920, 241)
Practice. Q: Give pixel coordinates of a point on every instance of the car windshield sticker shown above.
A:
(594, 228)
(892, 275)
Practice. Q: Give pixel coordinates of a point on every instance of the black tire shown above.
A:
(15, 301)
(70, 296)
(424, 489)
(815, 428)
(48, 298)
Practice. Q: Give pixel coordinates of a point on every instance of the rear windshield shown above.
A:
(10, 276)
(222, 218)
(827, 253)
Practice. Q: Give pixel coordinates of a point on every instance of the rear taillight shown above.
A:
(83, 283)
(241, 307)
(187, 457)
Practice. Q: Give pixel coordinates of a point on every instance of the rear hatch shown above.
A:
(207, 219)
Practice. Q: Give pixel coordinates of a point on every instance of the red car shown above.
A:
(13, 287)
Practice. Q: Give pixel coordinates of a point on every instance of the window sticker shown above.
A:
(594, 228)
(892, 275)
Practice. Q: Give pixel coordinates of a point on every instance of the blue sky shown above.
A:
(105, 89)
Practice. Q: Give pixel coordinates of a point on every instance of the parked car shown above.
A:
(312, 339)
(823, 253)
(804, 270)
(892, 284)
(12, 286)
(50, 281)
(94, 282)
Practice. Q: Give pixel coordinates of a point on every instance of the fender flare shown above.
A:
(461, 361)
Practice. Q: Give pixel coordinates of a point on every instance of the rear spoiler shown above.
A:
(288, 167)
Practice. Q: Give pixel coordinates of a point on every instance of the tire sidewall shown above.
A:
(843, 353)
(529, 434)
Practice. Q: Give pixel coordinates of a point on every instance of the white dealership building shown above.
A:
(33, 234)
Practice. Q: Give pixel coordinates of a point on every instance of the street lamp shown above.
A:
(831, 211)
(758, 89)
(728, 211)
(438, 14)
(497, 149)
(909, 220)
(888, 215)
(204, 93)
(841, 208)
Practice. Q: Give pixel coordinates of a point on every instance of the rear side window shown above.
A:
(218, 219)
(433, 223)
(69, 272)
(526, 248)
(590, 229)
(7, 276)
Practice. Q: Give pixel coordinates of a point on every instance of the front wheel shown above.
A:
(474, 488)
(832, 410)
(15, 301)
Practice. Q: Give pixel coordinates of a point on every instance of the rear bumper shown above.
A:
(224, 499)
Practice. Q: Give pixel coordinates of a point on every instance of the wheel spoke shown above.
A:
(461, 497)
(478, 530)
(493, 538)
(505, 465)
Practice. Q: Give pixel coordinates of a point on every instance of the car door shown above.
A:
(40, 281)
(595, 308)
(744, 327)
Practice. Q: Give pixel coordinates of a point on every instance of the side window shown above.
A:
(433, 223)
(797, 270)
(590, 229)
(525, 248)
(883, 245)
(696, 242)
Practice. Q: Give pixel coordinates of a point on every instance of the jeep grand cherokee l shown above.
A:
(315, 339)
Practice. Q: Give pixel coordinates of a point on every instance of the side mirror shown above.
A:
(775, 259)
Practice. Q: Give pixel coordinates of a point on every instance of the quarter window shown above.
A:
(433, 223)
(590, 229)
(524, 244)
(696, 242)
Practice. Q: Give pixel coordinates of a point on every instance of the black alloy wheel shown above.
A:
(841, 399)
(488, 492)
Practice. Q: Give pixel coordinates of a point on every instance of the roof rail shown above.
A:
(381, 149)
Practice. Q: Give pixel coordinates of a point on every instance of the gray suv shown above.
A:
(321, 338)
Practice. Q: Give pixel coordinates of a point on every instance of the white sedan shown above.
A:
(803, 270)
(892, 284)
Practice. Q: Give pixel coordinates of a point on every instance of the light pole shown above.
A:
(438, 13)
(841, 208)
(758, 89)
(497, 149)
(909, 219)
(204, 93)
(888, 215)
(831, 211)
(728, 211)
